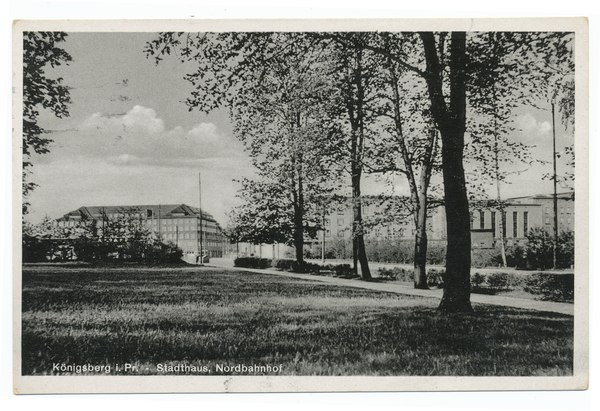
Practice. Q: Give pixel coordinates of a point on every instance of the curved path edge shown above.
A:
(548, 306)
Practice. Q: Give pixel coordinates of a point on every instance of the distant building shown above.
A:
(519, 215)
(174, 223)
(566, 210)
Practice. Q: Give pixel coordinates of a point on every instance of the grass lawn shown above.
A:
(204, 321)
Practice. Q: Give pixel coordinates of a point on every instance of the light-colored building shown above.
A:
(566, 210)
(178, 224)
(518, 216)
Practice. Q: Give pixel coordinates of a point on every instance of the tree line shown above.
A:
(122, 237)
(318, 111)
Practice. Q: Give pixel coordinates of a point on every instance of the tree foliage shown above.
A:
(124, 237)
(391, 102)
(280, 103)
(40, 51)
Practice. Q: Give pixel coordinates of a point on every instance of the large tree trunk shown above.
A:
(451, 122)
(420, 257)
(358, 240)
(358, 232)
(457, 279)
(356, 116)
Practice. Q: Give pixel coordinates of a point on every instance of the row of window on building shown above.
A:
(479, 222)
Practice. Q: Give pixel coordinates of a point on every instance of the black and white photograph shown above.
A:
(300, 206)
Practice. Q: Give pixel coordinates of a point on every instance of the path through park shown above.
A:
(562, 308)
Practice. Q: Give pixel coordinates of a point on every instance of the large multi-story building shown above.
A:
(489, 223)
(179, 224)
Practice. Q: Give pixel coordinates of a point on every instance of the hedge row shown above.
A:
(252, 262)
(434, 276)
(536, 254)
(339, 270)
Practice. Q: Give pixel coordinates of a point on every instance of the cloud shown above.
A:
(139, 136)
(532, 128)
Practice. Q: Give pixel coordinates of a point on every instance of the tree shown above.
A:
(445, 76)
(414, 140)
(282, 115)
(448, 107)
(279, 103)
(451, 79)
(265, 217)
(550, 83)
(356, 72)
(40, 50)
(492, 98)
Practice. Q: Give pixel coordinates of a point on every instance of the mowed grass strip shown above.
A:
(206, 317)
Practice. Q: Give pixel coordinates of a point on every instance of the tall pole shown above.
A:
(200, 213)
(555, 199)
(323, 242)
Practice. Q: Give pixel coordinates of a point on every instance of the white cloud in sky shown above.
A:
(132, 158)
(532, 128)
(139, 137)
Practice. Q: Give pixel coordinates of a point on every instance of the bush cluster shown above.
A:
(338, 270)
(551, 287)
(535, 255)
(123, 238)
(538, 253)
(434, 276)
(145, 251)
(252, 262)
(391, 252)
(548, 286)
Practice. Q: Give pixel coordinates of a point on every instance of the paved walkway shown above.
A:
(562, 308)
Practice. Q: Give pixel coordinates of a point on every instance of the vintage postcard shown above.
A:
(300, 205)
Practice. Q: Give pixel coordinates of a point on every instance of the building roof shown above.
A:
(569, 195)
(164, 210)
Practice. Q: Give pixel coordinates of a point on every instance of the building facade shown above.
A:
(184, 226)
(489, 224)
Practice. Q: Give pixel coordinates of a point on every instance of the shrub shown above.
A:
(565, 253)
(388, 274)
(477, 280)
(436, 253)
(498, 281)
(283, 264)
(551, 287)
(252, 262)
(539, 249)
(36, 250)
(343, 270)
(312, 268)
(435, 278)
(395, 274)
(516, 256)
(161, 253)
(482, 257)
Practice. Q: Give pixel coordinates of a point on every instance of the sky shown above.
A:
(131, 140)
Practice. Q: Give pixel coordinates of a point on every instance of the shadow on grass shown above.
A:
(208, 317)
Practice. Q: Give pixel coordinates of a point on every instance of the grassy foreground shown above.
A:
(175, 321)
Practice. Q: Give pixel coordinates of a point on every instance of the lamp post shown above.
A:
(555, 197)
(200, 250)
